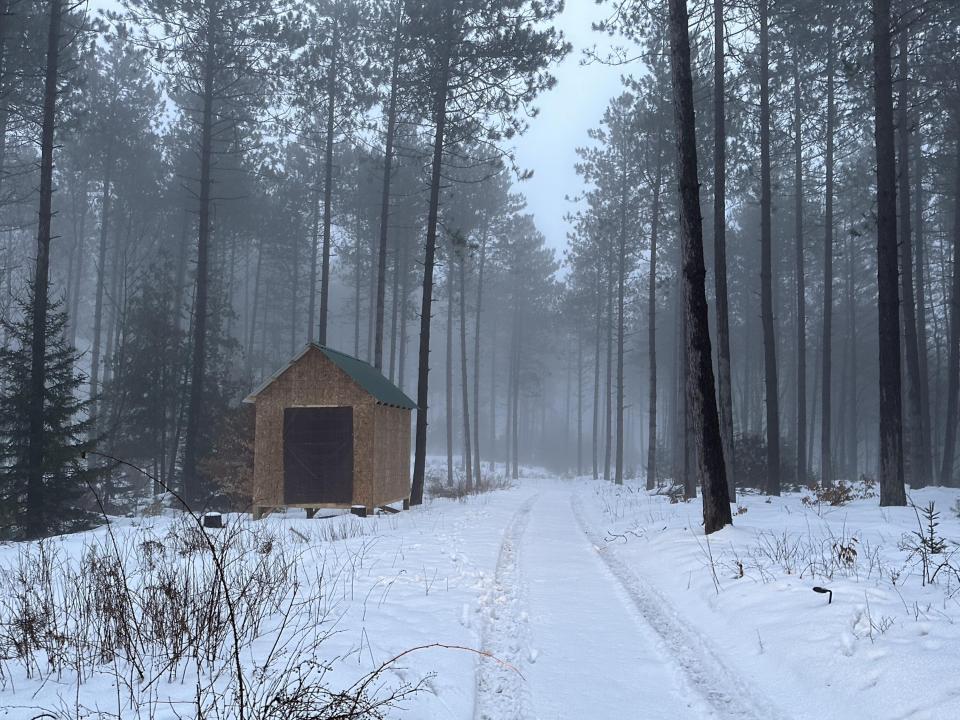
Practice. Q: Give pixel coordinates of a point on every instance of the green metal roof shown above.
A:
(369, 378)
(362, 373)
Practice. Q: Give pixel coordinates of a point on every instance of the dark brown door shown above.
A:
(318, 455)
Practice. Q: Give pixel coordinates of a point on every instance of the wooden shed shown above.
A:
(331, 432)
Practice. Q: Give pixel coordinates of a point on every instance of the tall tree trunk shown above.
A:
(195, 419)
(515, 394)
(476, 356)
(953, 344)
(252, 332)
(101, 281)
(579, 404)
(385, 199)
(35, 510)
(328, 179)
(492, 415)
(371, 299)
(801, 283)
(687, 450)
(448, 369)
(724, 380)
(891, 441)
(920, 253)
(118, 269)
(596, 374)
(851, 385)
(608, 391)
(651, 480)
(621, 281)
(464, 378)
(420, 450)
(314, 242)
(404, 292)
(294, 296)
(826, 397)
(701, 392)
(771, 386)
(919, 443)
(79, 265)
(357, 276)
(394, 313)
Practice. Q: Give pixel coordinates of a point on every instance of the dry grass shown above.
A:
(179, 604)
(437, 486)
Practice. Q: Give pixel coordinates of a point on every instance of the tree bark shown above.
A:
(953, 352)
(77, 279)
(252, 332)
(314, 241)
(423, 372)
(608, 391)
(476, 357)
(464, 378)
(851, 386)
(328, 180)
(515, 393)
(701, 392)
(394, 313)
(191, 450)
(385, 200)
(724, 379)
(801, 284)
(920, 253)
(404, 292)
(621, 281)
(35, 510)
(651, 480)
(826, 396)
(101, 282)
(771, 385)
(919, 443)
(579, 404)
(448, 369)
(596, 374)
(891, 441)
(294, 296)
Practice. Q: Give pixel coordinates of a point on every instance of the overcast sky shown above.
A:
(574, 106)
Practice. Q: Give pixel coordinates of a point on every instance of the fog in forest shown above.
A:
(490, 359)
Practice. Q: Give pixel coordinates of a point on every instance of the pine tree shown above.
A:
(61, 499)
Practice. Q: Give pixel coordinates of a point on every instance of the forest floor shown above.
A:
(585, 600)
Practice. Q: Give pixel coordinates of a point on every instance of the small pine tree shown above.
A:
(63, 502)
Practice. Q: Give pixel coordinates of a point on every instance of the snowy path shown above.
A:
(577, 634)
(592, 659)
(723, 693)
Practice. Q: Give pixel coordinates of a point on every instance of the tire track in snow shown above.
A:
(726, 693)
(501, 691)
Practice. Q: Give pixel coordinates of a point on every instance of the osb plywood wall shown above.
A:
(381, 435)
(391, 454)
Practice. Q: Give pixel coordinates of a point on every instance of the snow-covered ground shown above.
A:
(553, 599)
